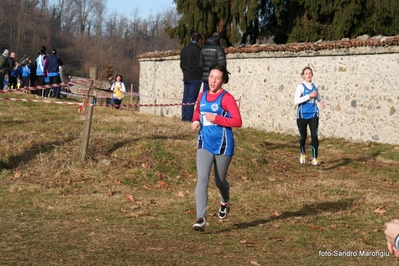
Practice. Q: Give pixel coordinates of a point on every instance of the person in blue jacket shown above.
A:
(306, 96)
(52, 70)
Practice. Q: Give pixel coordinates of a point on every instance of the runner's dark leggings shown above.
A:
(314, 128)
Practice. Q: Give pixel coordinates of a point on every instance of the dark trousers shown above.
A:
(25, 81)
(313, 126)
(2, 81)
(56, 90)
(33, 83)
(117, 102)
(190, 95)
(40, 81)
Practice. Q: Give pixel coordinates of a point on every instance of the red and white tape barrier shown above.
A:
(34, 88)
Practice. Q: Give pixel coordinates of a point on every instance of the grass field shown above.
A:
(132, 201)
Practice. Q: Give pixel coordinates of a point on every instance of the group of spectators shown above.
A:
(195, 63)
(43, 70)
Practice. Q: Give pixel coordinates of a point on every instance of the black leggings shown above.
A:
(314, 128)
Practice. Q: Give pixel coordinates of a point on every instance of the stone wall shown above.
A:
(358, 80)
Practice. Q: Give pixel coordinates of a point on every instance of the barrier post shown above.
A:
(131, 94)
(86, 129)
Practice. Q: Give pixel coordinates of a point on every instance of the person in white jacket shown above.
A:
(306, 96)
(118, 89)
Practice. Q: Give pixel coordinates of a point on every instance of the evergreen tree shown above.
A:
(311, 20)
(286, 20)
(234, 19)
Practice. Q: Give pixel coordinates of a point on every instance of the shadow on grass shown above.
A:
(346, 161)
(109, 149)
(279, 145)
(307, 210)
(29, 154)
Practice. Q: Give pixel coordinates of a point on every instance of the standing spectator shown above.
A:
(211, 53)
(110, 81)
(41, 55)
(215, 115)
(33, 77)
(192, 73)
(306, 95)
(47, 91)
(15, 74)
(18, 84)
(3, 67)
(118, 88)
(52, 69)
(12, 80)
(25, 72)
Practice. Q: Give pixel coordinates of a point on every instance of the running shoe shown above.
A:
(223, 210)
(302, 159)
(200, 225)
(315, 161)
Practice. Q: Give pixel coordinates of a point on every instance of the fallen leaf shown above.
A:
(156, 249)
(185, 175)
(146, 165)
(152, 201)
(181, 194)
(275, 214)
(134, 214)
(254, 262)
(317, 227)
(17, 174)
(111, 193)
(380, 210)
(130, 197)
(162, 184)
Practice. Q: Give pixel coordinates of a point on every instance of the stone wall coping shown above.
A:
(292, 49)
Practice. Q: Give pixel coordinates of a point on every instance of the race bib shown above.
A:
(206, 122)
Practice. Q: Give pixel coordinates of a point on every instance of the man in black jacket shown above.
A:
(192, 72)
(211, 53)
(11, 65)
(3, 67)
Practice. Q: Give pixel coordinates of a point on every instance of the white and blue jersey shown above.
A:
(308, 109)
(40, 65)
(214, 138)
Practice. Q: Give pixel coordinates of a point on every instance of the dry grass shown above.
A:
(132, 202)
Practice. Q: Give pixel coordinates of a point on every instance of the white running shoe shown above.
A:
(200, 225)
(302, 159)
(315, 161)
(223, 210)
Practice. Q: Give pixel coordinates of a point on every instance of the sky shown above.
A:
(145, 7)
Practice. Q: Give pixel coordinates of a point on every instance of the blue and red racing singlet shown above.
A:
(214, 138)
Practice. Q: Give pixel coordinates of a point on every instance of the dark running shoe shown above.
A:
(223, 210)
(200, 225)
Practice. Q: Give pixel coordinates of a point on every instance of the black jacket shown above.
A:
(190, 62)
(211, 53)
(10, 64)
